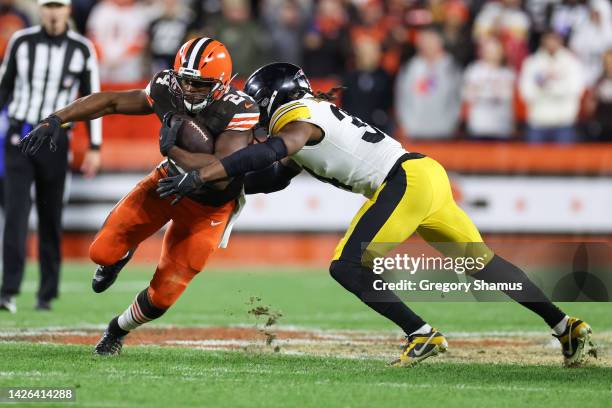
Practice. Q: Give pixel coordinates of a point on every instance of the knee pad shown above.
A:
(106, 253)
(98, 255)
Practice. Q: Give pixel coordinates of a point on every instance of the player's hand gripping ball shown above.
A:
(185, 132)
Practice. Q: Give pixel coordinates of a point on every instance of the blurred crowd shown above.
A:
(538, 70)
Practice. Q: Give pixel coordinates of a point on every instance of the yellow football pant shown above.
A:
(417, 197)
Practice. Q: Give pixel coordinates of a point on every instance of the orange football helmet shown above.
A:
(202, 72)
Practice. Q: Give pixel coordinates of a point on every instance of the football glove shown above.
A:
(168, 133)
(180, 185)
(48, 128)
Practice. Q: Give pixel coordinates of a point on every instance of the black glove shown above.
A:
(48, 128)
(167, 133)
(179, 185)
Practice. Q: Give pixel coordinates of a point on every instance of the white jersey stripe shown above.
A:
(246, 115)
(19, 107)
(235, 121)
(53, 80)
(41, 64)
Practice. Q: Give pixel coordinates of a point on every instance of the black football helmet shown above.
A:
(274, 85)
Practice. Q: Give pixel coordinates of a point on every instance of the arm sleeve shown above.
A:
(8, 73)
(254, 157)
(90, 83)
(273, 178)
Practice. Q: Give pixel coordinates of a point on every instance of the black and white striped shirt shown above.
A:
(41, 74)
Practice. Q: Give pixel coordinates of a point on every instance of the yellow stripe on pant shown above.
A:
(417, 198)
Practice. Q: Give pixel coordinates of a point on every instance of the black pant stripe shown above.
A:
(375, 217)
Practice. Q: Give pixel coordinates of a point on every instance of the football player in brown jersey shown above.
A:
(198, 85)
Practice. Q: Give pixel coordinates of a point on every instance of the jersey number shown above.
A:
(235, 98)
(371, 135)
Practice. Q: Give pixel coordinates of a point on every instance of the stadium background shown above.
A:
(513, 189)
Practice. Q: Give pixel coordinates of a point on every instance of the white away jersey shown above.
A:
(352, 154)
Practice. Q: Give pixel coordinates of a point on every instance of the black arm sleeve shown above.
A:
(273, 178)
(8, 73)
(255, 157)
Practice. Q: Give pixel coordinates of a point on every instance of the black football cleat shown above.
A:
(576, 343)
(105, 276)
(43, 305)
(109, 345)
(421, 346)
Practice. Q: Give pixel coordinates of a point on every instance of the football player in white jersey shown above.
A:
(406, 192)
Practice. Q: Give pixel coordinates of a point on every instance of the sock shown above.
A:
(498, 270)
(115, 329)
(560, 327)
(422, 330)
(140, 312)
(359, 281)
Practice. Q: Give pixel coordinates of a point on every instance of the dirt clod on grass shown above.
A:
(261, 311)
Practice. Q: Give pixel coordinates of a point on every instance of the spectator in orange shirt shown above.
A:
(11, 20)
(383, 22)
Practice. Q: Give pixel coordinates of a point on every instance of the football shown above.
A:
(192, 136)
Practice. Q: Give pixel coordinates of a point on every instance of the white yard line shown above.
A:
(466, 387)
(85, 287)
(328, 334)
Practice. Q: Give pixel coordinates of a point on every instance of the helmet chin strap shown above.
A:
(194, 108)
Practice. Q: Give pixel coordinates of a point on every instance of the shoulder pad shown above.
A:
(287, 113)
(158, 86)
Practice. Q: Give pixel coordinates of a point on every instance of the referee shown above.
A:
(44, 69)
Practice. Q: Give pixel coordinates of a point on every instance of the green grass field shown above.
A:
(152, 375)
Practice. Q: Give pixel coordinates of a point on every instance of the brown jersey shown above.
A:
(234, 111)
